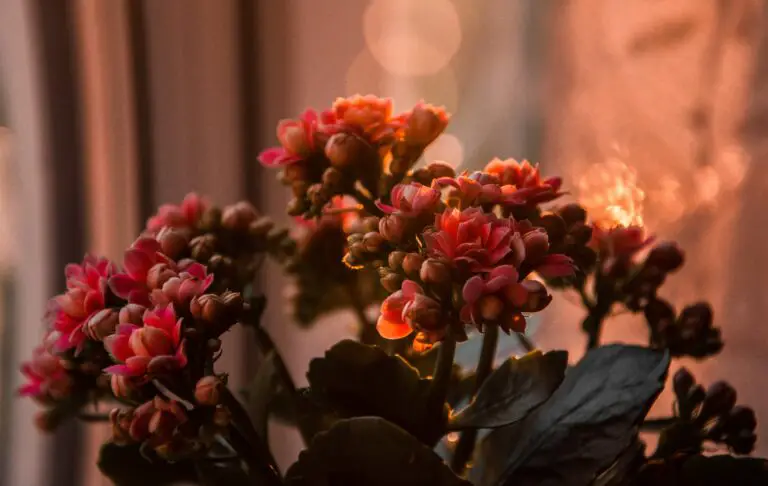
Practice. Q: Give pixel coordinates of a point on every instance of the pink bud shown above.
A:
(158, 275)
(132, 314)
(392, 227)
(536, 245)
(150, 341)
(207, 390)
(239, 216)
(412, 264)
(101, 324)
(173, 242)
(345, 149)
(434, 272)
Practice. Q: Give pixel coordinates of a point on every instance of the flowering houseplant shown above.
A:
(447, 257)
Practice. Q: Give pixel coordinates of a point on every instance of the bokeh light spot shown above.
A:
(447, 148)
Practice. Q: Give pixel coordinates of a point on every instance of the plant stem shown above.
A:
(247, 442)
(367, 203)
(525, 342)
(593, 323)
(441, 378)
(468, 439)
(658, 423)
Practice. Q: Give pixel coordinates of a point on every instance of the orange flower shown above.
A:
(369, 115)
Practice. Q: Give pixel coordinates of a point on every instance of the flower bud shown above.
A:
(538, 297)
(332, 179)
(238, 216)
(203, 247)
(207, 390)
(434, 272)
(371, 223)
(373, 242)
(208, 307)
(580, 234)
(132, 314)
(425, 123)
(344, 149)
(554, 226)
(536, 245)
(150, 341)
(392, 227)
(741, 418)
(572, 213)
(318, 195)
(440, 169)
(173, 242)
(395, 260)
(666, 256)
(158, 275)
(412, 264)
(425, 314)
(720, 399)
(261, 227)
(696, 318)
(682, 383)
(101, 324)
(659, 314)
(391, 282)
(121, 386)
(211, 219)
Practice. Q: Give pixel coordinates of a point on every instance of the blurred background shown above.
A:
(109, 108)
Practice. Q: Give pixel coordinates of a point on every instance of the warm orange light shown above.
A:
(610, 194)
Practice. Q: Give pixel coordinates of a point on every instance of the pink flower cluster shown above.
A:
(487, 256)
(47, 378)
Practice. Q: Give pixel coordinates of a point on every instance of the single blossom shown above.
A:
(409, 309)
(477, 239)
(192, 280)
(84, 298)
(411, 199)
(619, 242)
(369, 116)
(423, 124)
(475, 189)
(47, 378)
(297, 140)
(500, 298)
(155, 423)
(185, 215)
(155, 347)
(523, 182)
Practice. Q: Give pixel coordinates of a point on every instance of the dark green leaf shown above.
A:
(513, 390)
(358, 380)
(369, 451)
(578, 433)
(125, 466)
(210, 473)
(624, 468)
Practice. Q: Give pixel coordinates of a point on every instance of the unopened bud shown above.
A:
(666, 256)
(395, 260)
(101, 324)
(158, 275)
(318, 195)
(203, 247)
(659, 314)
(696, 318)
(121, 386)
(344, 149)
(742, 418)
(682, 383)
(434, 272)
(173, 242)
(536, 245)
(425, 124)
(208, 307)
(392, 227)
(580, 234)
(207, 391)
(211, 218)
(572, 213)
(554, 226)
(239, 216)
(261, 227)
(412, 264)
(132, 314)
(332, 178)
(373, 241)
(720, 399)
(391, 282)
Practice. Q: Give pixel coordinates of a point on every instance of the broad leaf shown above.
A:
(578, 433)
(369, 451)
(513, 390)
(624, 468)
(125, 466)
(358, 380)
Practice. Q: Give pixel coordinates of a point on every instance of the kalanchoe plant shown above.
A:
(445, 257)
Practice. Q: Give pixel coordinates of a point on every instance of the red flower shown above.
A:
(193, 280)
(472, 237)
(297, 140)
(499, 297)
(47, 379)
(139, 259)
(154, 421)
(619, 241)
(368, 116)
(529, 188)
(185, 215)
(154, 347)
(411, 200)
(85, 296)
(423, 124)
(409, 309)
(476, 189)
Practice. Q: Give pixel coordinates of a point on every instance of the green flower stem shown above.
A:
(441, 378)
(466, 444)
(248, 444)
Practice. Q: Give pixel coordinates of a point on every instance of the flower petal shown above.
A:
(392, 330)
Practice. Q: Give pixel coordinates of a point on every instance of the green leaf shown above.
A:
(369, 451)
(126, 466)
(513, 390)
(358, 380)
(579, 432)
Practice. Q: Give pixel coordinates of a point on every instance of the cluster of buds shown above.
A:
(690, 333)
(449, 261)
(570, 234)
(710, 415)
(357, 141)
(229, 241)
